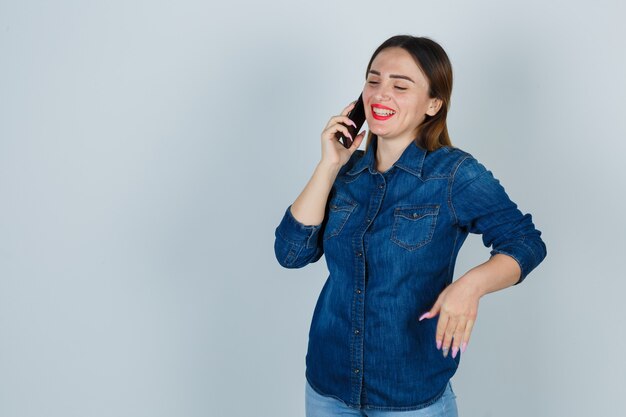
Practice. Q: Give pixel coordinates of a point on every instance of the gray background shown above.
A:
(148, 150)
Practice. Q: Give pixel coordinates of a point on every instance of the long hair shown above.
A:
(434, 63)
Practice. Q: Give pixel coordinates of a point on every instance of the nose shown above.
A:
(382, 94)
(381, 97)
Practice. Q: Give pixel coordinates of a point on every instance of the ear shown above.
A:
(434, 106)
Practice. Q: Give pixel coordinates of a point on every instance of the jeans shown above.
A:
(318, 405)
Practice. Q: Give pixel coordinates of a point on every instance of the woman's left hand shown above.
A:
(457, 306)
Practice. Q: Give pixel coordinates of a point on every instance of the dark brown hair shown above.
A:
(434, 63)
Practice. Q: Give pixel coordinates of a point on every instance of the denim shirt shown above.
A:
(390, 241)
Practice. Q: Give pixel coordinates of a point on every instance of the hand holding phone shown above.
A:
(357, 115)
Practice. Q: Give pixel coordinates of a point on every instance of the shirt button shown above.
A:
(381, 186)
(358, 291)
(359, 254)
(368, 220)
(356, 331)
(356, 371)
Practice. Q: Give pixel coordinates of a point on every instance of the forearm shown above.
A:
(310, 205)
(499, 272)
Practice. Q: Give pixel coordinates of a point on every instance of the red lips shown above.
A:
(380, 106)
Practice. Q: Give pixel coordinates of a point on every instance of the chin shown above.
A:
(378, 132)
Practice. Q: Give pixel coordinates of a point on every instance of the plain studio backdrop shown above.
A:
(148, 150)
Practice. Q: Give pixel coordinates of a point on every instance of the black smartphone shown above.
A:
(357, 115)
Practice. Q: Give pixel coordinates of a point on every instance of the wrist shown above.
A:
(474, 282)
(329, 167)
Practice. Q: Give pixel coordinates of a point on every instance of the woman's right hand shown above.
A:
(333, 151)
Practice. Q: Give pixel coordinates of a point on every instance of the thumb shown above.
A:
(433, 311)
(357, 141)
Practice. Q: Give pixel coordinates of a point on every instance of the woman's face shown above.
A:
(396, 96)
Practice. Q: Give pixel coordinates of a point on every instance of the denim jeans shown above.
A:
(318, 405)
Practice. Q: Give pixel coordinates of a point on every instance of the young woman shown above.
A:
(390, 324)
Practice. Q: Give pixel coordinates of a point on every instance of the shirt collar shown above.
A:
(411, 160)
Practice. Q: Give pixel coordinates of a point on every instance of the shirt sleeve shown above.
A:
(481, 205)
(296, 244)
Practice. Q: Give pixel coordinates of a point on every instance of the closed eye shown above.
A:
(399, 88)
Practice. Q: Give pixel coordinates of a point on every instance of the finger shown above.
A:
(458, 336)
(347, 109)
(344, 130)
(448, 334)
(466, 337)
(433, 311)
(339, 120)
(428, 315)
(357, 141)
(337, 128)
(441, 328)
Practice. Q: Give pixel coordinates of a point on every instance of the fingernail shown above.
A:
(353, 124)
(438, 344)
(423, 316)
(455, 350)
(445, 352)
(463, 346)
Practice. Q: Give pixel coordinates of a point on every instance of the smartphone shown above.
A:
(357, 115)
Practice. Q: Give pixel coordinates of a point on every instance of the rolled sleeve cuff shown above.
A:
(293, 231)
(522, 253)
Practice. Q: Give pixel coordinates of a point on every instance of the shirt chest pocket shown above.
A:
(413, 226)
(339, 210)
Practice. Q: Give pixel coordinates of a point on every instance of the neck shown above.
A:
(388, 151)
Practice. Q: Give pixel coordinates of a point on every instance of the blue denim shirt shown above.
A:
(390, 241)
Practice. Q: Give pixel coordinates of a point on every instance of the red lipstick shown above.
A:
(380, 106)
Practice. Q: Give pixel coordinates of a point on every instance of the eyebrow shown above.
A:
(404, 77)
